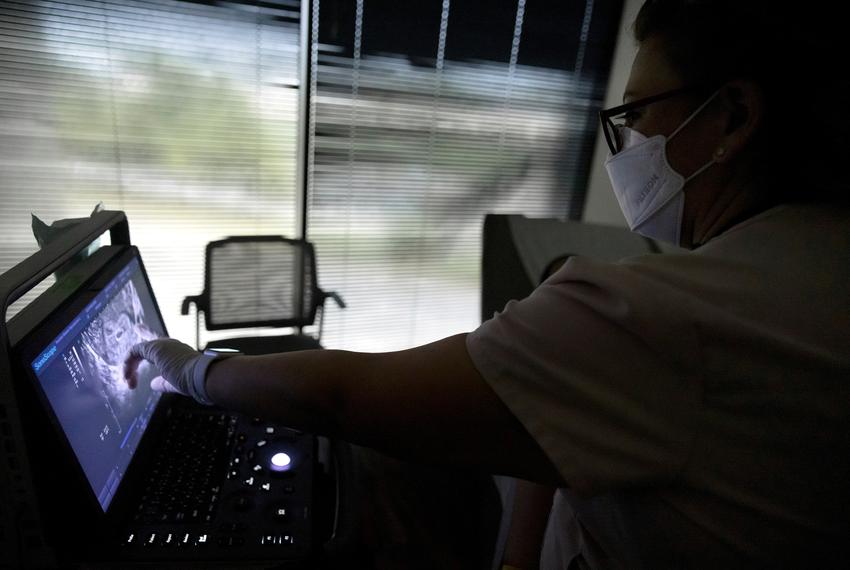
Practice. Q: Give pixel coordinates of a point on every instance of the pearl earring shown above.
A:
(719, 153)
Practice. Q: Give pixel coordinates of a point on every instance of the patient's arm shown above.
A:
(428, 403)
(532, 503)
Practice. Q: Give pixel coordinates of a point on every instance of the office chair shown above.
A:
(260, 281)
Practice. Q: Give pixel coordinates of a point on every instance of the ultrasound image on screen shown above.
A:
(81, 373)
(108, 339)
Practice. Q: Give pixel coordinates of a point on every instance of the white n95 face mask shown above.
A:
(646, 186)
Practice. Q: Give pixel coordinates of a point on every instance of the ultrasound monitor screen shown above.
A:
(81, 373)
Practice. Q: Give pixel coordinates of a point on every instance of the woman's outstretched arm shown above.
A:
(427, 404)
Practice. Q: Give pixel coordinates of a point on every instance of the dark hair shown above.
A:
(792, 53)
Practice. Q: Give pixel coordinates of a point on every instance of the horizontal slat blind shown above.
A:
(409, 153)
(182, 114)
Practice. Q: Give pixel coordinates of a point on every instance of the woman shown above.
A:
(693, 409)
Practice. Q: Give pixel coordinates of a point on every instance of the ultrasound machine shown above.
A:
(97, 474)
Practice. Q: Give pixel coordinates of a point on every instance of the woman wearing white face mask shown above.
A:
(692, 408)
(649, 190)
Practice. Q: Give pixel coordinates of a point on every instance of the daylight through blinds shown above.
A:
(182, 114)
(424, 118)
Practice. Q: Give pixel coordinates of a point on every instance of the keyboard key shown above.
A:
(277, 540)
(280, 513)
(242, 503)
(229, 540)
(232, 527)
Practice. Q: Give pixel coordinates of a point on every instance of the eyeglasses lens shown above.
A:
(617, 137)
(615, 140)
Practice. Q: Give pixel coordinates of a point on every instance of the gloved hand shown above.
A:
(182, 369)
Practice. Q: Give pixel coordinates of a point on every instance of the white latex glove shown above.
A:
(182, 369)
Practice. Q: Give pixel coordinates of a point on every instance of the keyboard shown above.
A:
(185, 482)
(222, 486)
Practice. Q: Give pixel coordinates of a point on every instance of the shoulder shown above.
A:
(594, 345)
(793, 229)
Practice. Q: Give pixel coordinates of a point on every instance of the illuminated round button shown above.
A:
(280, 462)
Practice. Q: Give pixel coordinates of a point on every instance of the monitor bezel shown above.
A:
(43, 320)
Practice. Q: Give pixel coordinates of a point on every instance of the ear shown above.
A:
(743, 102)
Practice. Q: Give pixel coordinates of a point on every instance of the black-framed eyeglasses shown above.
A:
(613, 119)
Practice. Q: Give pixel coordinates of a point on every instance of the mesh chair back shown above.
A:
(260, 281)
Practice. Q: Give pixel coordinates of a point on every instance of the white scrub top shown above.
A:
(697, 404)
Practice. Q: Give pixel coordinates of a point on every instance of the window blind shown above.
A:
(426, 116)
(182, 114)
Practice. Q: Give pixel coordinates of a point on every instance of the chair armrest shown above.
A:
(335, 296)
(323, 296)
(191, 299)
